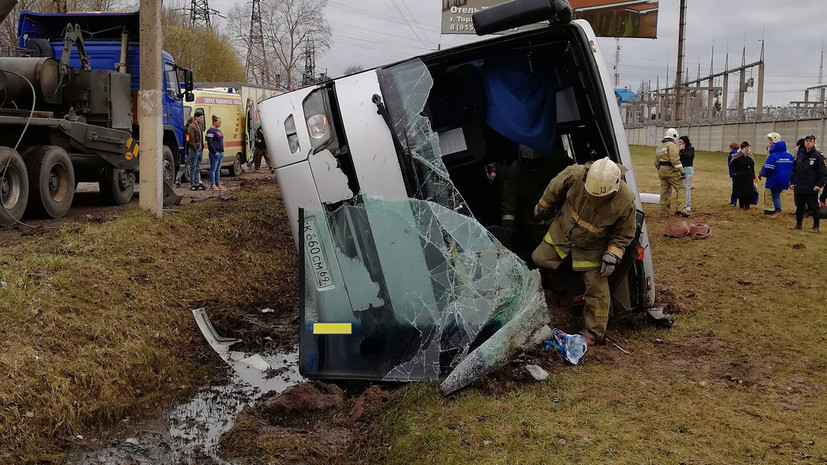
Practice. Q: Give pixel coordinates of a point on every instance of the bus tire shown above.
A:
(14, 187)
(116, 186)
(51, 181)
(236, 169)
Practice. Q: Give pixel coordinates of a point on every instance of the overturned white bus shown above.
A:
(386, 176)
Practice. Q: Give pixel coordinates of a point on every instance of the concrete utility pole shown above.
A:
(679, 72)
(150, 109)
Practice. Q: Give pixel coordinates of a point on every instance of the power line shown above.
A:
(373, 14)
(405, 20)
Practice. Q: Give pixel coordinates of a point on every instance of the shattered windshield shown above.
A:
(412, 287)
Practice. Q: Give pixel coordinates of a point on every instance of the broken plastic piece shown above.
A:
(218, 343)
(659, 317)
(536, 372)
(254, 361)
(571, 347)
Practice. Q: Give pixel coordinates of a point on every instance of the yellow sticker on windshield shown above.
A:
(332, 328)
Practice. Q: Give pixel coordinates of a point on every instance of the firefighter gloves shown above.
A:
(609, 262)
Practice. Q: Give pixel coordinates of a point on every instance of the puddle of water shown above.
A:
(189, 432)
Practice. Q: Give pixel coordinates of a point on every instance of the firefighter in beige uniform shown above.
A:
(594, 222)
(671, 174)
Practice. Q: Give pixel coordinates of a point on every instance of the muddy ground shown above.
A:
(310, 422)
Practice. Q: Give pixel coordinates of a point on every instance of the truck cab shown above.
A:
(389, 178)
(111, 42)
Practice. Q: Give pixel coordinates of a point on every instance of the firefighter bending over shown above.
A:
(671, 174)
(594, 222)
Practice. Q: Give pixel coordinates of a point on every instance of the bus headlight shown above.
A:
(319, 128)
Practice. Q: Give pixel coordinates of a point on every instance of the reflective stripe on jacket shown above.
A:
(587, 226)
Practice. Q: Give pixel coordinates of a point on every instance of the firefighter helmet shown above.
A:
(603, 178)
(671, 133)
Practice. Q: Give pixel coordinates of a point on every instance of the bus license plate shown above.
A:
(315, 255)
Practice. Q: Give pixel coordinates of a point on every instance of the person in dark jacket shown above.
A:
(523, 183)
(742, 167)
(215, 144)
(733, 149)
(261, 151)
(777, 169)
(808, 178)
(687, 154)
(798, 145)
(195, 145)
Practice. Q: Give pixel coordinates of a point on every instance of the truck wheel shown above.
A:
(169, 166)
(117, 186)
(237, 169)
(14, 187)
(51, 181)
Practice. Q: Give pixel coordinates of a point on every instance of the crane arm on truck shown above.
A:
(73, 35)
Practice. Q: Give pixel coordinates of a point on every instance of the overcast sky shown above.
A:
(374, 32)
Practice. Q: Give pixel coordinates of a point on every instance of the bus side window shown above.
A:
(292, 137)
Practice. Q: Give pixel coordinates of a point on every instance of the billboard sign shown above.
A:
(608, 18)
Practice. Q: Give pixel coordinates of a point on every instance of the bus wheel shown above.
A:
(237, 169)
(51, 181)
(14, 187)
(117, 186)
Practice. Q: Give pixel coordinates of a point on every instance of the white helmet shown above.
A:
(603, 178)
(671, 133)
(774, 137)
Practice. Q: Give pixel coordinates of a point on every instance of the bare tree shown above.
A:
(353, 69)
(292, 29)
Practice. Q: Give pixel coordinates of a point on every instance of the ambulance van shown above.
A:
(390, 181)
(229, 107)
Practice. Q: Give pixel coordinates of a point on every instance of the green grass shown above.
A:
(752, 302)
(96, 322)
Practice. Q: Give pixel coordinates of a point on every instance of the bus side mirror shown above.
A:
(189, 97)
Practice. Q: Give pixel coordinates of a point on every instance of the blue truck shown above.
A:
(68, 111)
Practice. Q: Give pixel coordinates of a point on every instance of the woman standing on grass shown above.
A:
(743, 175)
(215, 142)
(687, 154)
